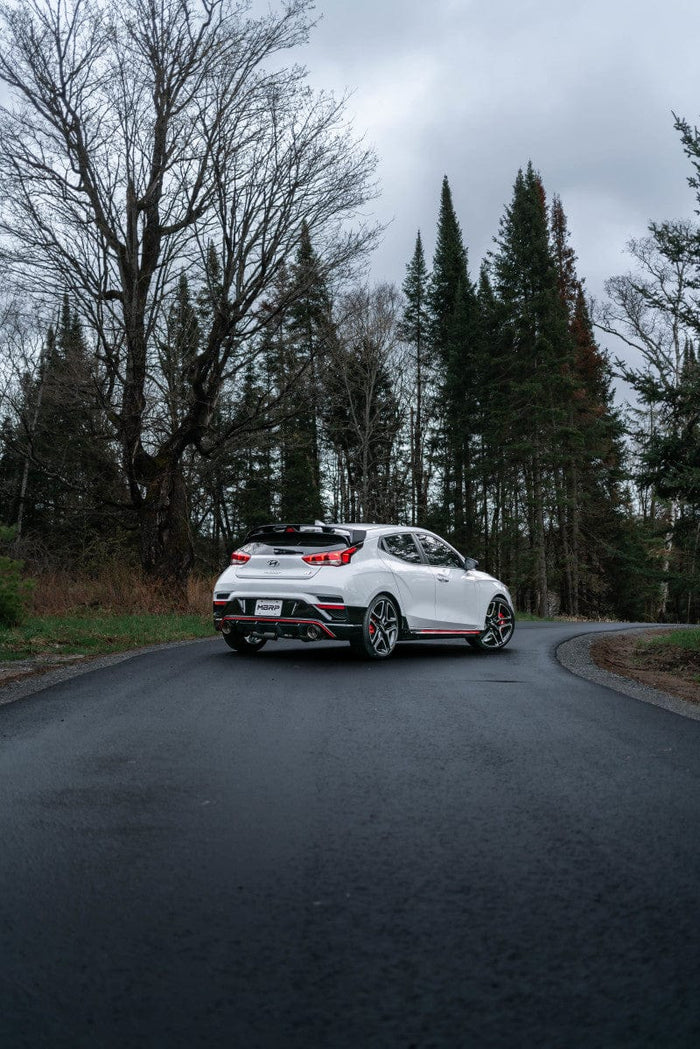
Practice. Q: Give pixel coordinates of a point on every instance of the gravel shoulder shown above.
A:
(608, 659)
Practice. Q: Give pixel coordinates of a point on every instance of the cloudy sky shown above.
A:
(476, 88)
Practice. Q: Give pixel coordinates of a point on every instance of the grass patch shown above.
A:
(99, 633)
(675, 652)
(686, 640)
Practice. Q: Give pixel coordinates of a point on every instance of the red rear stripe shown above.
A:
(279, 619)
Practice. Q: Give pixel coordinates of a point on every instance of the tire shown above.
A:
(244, 644)
(500, 624)
(380, 629)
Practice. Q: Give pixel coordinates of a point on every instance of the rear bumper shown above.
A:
(304, 616)
(291, 627)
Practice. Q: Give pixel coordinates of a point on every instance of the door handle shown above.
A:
(443, 577)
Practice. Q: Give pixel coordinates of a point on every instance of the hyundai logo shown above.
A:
(272, 563)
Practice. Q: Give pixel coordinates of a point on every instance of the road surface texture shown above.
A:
(300, 849)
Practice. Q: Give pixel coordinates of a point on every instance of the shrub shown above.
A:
(15, 592)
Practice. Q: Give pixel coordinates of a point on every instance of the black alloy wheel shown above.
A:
(380, 629)
(244, 643)
(500, 624)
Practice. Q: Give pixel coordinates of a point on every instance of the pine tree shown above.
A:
(587, 482)
(306, 335)
(20, 477)
(177, 352)
(452, 306)
(82, 461)
(564, 257)
(490, 464)
(58, 460)
(255, 477)
(672, 458)
(595, 469)
(414, 330)
(536, 354)
(448, 273)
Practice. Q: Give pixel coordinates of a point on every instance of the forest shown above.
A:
(189, 345)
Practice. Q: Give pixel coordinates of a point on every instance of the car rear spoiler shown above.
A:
(352, 536)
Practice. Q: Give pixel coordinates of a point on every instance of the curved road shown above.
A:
(304, 850)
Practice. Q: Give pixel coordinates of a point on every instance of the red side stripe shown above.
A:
(460, 632)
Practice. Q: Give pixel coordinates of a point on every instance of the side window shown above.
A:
(402, 546)
(439, 553)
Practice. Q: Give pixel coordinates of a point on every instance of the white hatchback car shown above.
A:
(371, 585)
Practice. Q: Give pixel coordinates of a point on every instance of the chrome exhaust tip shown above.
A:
(313, 633)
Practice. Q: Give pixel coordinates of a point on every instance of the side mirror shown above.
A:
(470, 563)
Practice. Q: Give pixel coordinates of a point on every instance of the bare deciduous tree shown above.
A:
(650, 309)
(152, 136)
(654, 312)
(366, 392)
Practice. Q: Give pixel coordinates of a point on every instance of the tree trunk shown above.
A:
(22, 494)
(575, 537)
(414, 465)
(539, 540)
(666, 563)
(167, 553)
(560, 483)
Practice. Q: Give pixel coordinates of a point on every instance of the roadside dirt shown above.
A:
(674, 671)
(22, 668)
(16, 677)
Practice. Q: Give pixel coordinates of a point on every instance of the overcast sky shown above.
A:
(475, 88)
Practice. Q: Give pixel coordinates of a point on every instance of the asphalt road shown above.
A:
(303, 850)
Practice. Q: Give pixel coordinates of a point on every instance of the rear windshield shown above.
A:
(295, 543)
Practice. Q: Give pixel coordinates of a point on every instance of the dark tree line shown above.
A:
(521, 434)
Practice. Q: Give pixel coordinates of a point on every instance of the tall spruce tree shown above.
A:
(414, 330)
(177, 351)
(587, 480)
(452, 306)
(536, 357)
(307, 331)
(63, 473)
(255, 496)
(489, 461)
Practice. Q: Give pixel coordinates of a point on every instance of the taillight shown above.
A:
(239, 558)
(331, 557)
